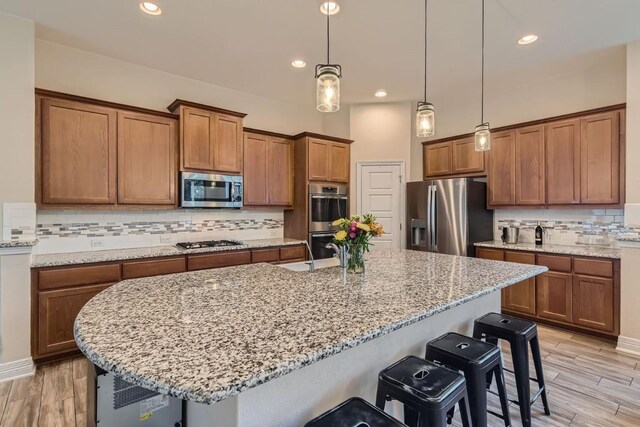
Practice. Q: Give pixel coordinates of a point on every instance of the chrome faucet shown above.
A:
(342, 253)
(312, 264)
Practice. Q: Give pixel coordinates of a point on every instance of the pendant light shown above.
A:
(328, 81)
(425, 115)
(483, 130)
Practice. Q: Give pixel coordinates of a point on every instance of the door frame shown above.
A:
(403, 189)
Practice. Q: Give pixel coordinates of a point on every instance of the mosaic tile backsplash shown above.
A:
(73, 231)
(564, 227)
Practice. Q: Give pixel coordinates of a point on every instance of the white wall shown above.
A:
(70, 70)
(381, 132)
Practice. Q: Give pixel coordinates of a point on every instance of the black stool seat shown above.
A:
(520, 333)
(354, 412)
(427, 390)
(478, 360)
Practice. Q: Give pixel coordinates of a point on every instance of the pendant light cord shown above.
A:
(425, 51)
(482, 84)
(328, 14)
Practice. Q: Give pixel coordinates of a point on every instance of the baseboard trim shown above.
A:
(628, 345)
(16, 369)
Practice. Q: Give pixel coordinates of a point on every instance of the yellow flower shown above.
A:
(338, 221)
(340, 235)
(363, 226)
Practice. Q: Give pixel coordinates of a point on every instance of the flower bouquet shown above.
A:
(355, 233)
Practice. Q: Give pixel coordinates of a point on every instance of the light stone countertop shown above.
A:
(52, 260)
(578, 250)
(17, 243)
(208, 335)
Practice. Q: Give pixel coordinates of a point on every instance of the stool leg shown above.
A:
(411, 417)
(521, 370)
(502, 393)
(535, 352)
(381, 397)
(477, 391)
(433, 418)
(464, 411)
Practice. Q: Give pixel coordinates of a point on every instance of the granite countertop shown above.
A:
(633, 238)
(579, 250)
(17, 243)
(208, 335)
(52, 260)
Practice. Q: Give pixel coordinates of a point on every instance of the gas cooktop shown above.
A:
(208, 244)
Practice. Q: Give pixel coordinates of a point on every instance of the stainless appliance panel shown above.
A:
(450, 227)
(326, 204)
(318, 243)
(202, 190)
(418, 236)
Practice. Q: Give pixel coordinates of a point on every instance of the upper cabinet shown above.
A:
(268, 170)
(451, 158)
(563, 162)
(96, 154)
(211, 139)
(501, 172)
(529, 166)
(328, 160)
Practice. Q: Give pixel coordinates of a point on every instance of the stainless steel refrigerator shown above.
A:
(448, 215)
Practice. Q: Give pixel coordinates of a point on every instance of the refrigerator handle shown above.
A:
(429, 201)
(434, 224)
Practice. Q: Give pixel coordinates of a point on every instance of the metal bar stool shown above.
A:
(518, 332)
(427, 390)
(476, 359)
(354, 412)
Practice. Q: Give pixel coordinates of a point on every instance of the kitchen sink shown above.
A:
(304, 265)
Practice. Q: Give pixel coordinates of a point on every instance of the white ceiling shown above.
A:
(248, 45)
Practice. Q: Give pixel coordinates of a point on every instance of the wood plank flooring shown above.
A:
(589, 385)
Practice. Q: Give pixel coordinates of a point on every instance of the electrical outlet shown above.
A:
(97, 243)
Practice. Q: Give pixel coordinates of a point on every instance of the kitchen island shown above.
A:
(262, 345)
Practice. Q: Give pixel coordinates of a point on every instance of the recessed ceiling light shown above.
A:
(381, 93)
(329, 7)
(299, 63)
(528, 39)
(150, 8)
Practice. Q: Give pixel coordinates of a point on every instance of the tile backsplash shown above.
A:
(563, 227)
(18, 221)
(72, 231)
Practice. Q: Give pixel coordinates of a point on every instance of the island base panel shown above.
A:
(295, 398)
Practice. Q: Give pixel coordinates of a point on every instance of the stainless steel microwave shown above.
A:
(203, 190)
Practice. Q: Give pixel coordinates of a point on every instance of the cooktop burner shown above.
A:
(208, 244)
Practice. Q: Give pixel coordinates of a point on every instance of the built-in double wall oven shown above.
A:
(326, 204)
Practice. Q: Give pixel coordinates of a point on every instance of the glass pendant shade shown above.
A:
(328, 89)
(483, 137)
(425, 120)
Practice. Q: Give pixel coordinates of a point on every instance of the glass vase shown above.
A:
(355, 264)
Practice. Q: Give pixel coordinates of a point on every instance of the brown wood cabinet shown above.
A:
(501, 172)
(328, 161)
(562, 150)
(268, 170)
(211, 138)
(340, 159)
(600, 159)
(77, 153)
(578, 293)
(529, 166)
(58, 293)
(147, 159)
(453, 158)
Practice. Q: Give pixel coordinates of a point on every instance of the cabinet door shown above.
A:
(319, 160)
(280, 172)
(466, 159)
(554, 296)
(520, 297)
(501, 172)
(147, 154)
(339, 162)
(600, 159)
(437, 159)
(227, 144)
(78, 153)
(529, 166)
(57, 310)
(198, 130)
(593, 302)
(255, 170)
(562, 150)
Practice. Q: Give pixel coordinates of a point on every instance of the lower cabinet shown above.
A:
(579, 293)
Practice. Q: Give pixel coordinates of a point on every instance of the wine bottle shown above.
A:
(539, 234)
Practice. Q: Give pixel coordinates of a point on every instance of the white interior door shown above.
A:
(379, 193)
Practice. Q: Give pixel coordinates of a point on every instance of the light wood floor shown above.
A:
(589, 385)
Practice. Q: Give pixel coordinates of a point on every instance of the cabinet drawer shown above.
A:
(293, 252)
(155, 267)
(555, 263)
(265, 255)
(216, 260)
(493, 254)
(520, 257)
(593, 267)
(76, 276)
